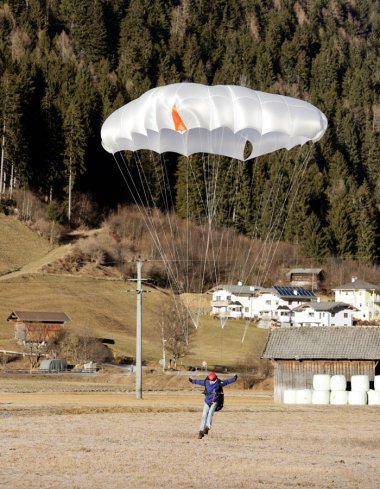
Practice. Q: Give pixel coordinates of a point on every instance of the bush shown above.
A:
(78, 349)
(101, 249)
(53, 231)
(254, 372)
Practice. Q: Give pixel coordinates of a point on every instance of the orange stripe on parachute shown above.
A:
(178, 122)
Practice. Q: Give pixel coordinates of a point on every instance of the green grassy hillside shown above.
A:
(18, 244)
(106, 307)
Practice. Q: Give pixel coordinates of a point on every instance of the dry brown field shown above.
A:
(92, 433)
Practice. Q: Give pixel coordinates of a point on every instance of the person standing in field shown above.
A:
(214, 399)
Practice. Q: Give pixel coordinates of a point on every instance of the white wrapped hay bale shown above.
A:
(338, 383)
(321, 382)
(303, 396)
(360, 383)
(338, 398)
(289, 396)
(377, 383)
(321, 397)
(373, 398)
(357, 398)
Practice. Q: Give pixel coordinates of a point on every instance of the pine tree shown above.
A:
(74, 150)
(366, 225)
(313, 240)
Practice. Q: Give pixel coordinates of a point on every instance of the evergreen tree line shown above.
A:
(66, 65)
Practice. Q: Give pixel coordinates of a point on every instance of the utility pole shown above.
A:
(2, 160)
(139, 264)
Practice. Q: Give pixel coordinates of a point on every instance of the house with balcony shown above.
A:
(250, 301)
(275, 305)
(324, 314)
(362, 295)
(233, 301)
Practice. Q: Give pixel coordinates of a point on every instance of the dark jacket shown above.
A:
(212, 388)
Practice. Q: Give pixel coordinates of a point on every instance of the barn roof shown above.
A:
(39, 317)
(330, 343)
(313, 271)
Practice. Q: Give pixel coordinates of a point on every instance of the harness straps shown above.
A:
(219, 394)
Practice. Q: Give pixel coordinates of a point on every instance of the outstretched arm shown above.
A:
(196, 381)
(231, 380)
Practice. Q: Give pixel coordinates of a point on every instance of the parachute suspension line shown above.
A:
(138, 202)
(187, 223)
(298, 180)
(147, 216)
(272, 229)
(233, 238)
(246, 326)
(298, 170)
(220, 182)
(294, 180)
(172, 220)
(171, 260)
(177, 262)
(266, 245)
(149, 223)
(262, 208)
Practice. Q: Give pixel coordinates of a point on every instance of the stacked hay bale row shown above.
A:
(329, 389)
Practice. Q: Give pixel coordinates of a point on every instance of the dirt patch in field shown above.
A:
(62, 438)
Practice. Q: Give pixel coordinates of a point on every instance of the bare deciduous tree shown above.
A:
(176, 329)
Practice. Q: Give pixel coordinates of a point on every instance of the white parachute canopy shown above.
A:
(188, 118)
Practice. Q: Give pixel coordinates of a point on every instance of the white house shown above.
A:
(362, 295)
(268, 304)
(324, 314)
(225, 298)
(276, 303)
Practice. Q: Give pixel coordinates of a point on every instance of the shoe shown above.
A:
(206, 430)
(200, 435)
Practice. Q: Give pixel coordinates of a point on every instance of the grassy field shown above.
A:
(106, 308)
(92, 433)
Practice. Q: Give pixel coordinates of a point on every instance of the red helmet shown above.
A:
(211, 376)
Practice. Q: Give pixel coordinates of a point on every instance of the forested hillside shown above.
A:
(66, 65)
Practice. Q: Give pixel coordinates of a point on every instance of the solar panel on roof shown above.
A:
(296, 291)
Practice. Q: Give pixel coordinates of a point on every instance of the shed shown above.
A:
(54, 365)
(35, 326)
(311, 278)
(300, 353)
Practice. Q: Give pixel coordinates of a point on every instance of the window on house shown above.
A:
(246, 309)
(345, 315)
(268, 303)
(228, 297)
(311, 314)
(218, 297)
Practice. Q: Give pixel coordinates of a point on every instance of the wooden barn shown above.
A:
(299, 353)
(310, 278)
(37, 327)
